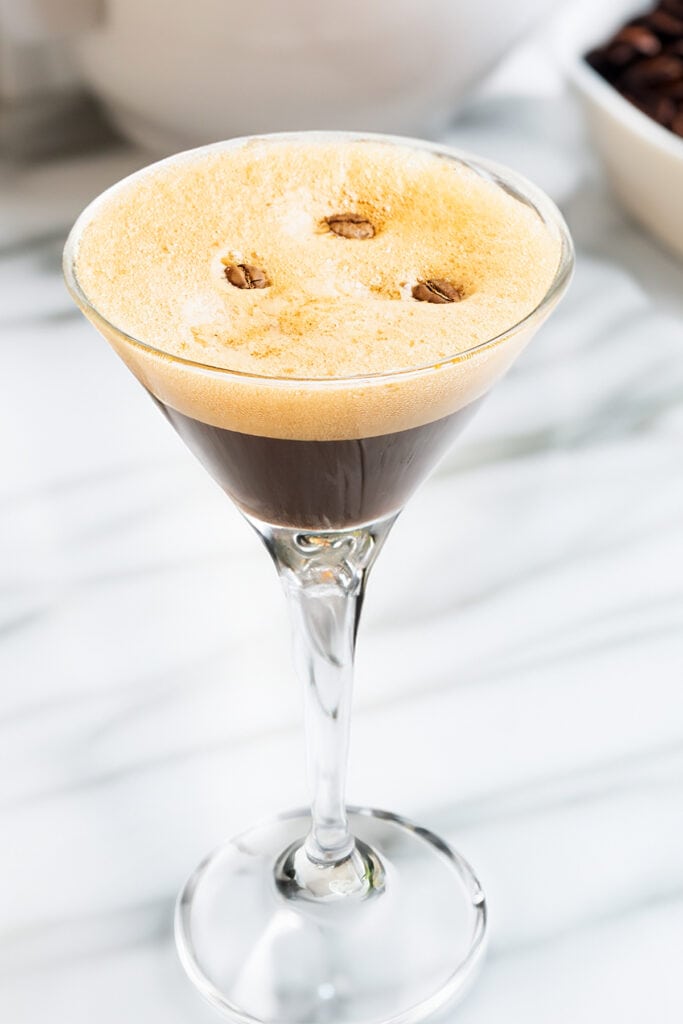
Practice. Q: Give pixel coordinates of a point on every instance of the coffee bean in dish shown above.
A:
(643, 60)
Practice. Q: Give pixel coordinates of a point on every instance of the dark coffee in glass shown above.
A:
(319, 485)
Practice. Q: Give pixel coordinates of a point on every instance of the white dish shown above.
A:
(177, 75)
(643, 161)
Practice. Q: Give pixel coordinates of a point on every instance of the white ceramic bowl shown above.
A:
(643, 161)
(181, 73)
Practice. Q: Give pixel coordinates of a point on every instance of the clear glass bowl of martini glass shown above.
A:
(334, 913)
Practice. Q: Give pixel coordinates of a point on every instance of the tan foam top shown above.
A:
(152, 261)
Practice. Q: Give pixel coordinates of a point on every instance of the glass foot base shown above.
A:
(261, 953)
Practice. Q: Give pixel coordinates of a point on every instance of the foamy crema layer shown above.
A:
(151, 261)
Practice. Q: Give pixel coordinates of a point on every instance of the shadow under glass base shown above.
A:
(394, 955)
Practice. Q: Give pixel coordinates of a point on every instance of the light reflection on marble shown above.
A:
(520, 664)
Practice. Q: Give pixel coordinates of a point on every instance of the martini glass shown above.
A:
(330, 914)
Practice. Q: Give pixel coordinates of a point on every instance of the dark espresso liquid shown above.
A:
(319, 485)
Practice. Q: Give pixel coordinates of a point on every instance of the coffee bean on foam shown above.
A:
(244, 275)
(436, 290)
(350, 225)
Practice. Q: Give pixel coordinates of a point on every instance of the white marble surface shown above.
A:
(519, 684)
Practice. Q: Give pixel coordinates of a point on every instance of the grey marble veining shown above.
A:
(520, 665)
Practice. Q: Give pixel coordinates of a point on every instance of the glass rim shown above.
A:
(516, 185)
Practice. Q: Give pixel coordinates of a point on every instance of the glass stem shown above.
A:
(324, 576)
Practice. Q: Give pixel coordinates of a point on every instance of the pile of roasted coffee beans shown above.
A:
(644, 62)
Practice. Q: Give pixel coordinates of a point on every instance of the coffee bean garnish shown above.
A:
(350, 225)
(436, 289)
(644, 61)
(244, 275)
